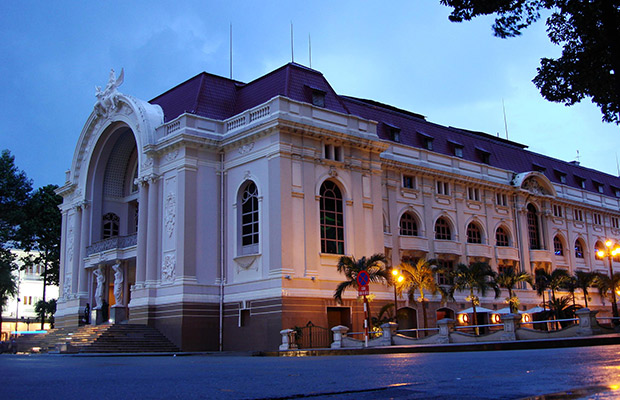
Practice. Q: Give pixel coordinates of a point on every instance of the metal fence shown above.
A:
(313, 337)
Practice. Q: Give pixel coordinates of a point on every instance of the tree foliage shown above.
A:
(589, 33)
(350, 267)
(509, 279)
(420, 277)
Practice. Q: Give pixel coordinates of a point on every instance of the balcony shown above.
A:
(479, 250)
(507, 253)
(414, 243)
(113, 243)
(540, 256)
(447, 247)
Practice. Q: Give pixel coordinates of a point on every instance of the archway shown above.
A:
(407, 318)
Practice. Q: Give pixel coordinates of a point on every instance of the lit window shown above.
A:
(408, 182)
(532, 227)
(110, 225)
(598, 247)
(557, 246)
(249, 218)
(331, 219)
(473, 233)
(442, 229)
(408, 225)
(578, 249)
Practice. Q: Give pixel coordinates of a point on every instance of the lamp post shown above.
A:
(610, 251)
(396, 279)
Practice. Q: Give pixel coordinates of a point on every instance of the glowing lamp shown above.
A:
(400, 278)
(600, 253)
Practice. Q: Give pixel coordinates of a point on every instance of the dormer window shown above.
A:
(485, 155)
(616, 191)
(318, 98)
(538, 168)
(426, 140)
(599, 187)
(395, 134)
(458, 148)
(561, 176)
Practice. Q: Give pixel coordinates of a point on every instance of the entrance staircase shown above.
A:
(107, 338)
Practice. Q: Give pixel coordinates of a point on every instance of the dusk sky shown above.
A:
(403, 53)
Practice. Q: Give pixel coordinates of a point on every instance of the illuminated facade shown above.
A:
(218, 210)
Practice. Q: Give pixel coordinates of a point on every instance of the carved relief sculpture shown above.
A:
(167, 270)
(170, 213)
(107, 100)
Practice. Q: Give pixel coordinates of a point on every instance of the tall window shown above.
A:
(578, 249)
(331, 219)
(249, 218)
(110, 225)
(473, 233)
(532, 227)
(442, 229)
(408, 225)
(558, 249)
(598, 246)
(501, 237)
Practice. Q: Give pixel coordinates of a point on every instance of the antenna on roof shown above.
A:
(505, 123)
(310, 50)
(231, 60)
(292, 54)
(577, 157)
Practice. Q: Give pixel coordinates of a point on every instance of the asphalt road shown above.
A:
(467, 375)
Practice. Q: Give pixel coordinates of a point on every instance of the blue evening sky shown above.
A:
(403, 53)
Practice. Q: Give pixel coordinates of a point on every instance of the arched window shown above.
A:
(474, 235)
(598, 246)
(532, 227)
(249, 218)
(558, 248)
(408, 225)
(331, 219)
(110, 225)
(578, 249)
(501, 237)
(442, 229)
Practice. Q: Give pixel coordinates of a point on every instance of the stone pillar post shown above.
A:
(389, 330)
(286, 340)
(63, 253)
(75, 250)
(119, 311)
(143, 206)
(510, 322)
(339, 332)
(587, 322)
(445, 326)
(84, 242)
(152, 249)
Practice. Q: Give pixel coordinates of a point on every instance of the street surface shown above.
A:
(467, 375)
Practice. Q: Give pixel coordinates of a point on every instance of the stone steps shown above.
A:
(117, 338)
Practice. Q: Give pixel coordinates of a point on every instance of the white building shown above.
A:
(218, 210)
(30, 291)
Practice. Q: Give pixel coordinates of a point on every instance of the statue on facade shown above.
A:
(118, 283)
(100, 277)
(107, 99)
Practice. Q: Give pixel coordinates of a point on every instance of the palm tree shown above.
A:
(562, 309)
(508, 279)
(477, 277)
(541, 283)
(558, 280)
(350, 267)
(585, 280)
(606, 285)
(420, 276)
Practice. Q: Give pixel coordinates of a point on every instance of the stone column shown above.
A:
(510, 322)
(152, 231)
(389, 330)
(84, 242)
(63, 253)
(75, 252)
(339, 332)
(587, 322)
(445, 326)
(143, 205)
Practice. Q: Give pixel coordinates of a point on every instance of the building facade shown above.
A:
(217, 211)
(19, 314)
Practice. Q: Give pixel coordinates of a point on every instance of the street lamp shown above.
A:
(611, 251)
(397, 278)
